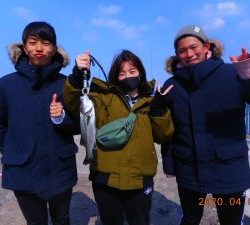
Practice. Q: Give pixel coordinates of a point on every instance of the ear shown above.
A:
(207, 46)
(55, 50)
(26, 52)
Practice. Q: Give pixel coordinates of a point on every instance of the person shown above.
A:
(209, 153)
(38, 156)
(122, 178)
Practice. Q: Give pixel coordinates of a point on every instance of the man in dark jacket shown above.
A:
(38, 156)
(209, 149)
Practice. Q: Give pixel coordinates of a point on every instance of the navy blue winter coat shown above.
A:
(209, 148)
(37, 156)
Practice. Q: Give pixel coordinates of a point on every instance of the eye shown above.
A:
(32, 42)
(46, 43)
(182, 50)
(193, 47)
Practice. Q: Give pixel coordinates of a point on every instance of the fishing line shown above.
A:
(94, 61)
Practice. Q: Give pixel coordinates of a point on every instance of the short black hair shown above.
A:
(41, 30)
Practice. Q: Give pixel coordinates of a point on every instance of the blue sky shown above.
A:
(145, 27)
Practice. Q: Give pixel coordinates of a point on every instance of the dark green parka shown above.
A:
(134, 165)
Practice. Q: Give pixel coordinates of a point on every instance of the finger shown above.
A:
(55, 115)
(56, 111)
(53, 111)
(244, 52)
(167, 90)
(233, 59)
(170, 176)
(87, 52)
(83, 61)
(158, 88)
(82, 58)
(54, 98)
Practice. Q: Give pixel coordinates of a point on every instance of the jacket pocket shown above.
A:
(232, 151)
(66, 151)
(15, 154)
(15, 159)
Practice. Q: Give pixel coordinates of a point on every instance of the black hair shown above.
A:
(128, 56)
(41, 30)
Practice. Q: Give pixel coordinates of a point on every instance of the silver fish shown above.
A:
(88, 129)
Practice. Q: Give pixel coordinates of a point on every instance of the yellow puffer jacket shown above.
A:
(134, 165)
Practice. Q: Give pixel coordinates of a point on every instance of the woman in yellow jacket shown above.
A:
(122, 179)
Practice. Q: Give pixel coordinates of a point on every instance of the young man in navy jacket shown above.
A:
(209, 150)
(38, 156)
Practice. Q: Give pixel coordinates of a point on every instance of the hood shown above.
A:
(16, 51)
(216, 51)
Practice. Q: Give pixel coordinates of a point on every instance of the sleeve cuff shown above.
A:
(58, 120)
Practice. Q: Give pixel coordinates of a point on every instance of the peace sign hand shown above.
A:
(168, 89)
(159, 104)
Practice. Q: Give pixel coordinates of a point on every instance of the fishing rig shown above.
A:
(86, 74)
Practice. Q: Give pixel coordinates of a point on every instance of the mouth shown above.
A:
(191, 61)
(39, 55)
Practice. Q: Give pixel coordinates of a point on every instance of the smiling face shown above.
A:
(191, 50)
(127, 70)
(39, 51)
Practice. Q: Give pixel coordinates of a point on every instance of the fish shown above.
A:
(88, 128)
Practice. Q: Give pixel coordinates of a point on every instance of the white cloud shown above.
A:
(132, 32)
(162, 21)
(207, 10)
(25, 13)
(217, 23)
(214, 15)
(110, 23)
(214, 24)
(129, 32)
(229, 8)
(221, 9)
(109, 10)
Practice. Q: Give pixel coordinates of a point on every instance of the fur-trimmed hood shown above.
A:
(16, 51)
(216, 51)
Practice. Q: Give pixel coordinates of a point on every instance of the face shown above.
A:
(190, 50)
(39, 51)
(127, 70)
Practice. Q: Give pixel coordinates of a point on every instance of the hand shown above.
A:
(166, 91)
(83, 61)
(169, 175)
(56, 108)
(242, 57)
(159, 103)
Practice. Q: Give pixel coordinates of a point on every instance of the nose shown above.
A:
(39, 47)
(189, 53)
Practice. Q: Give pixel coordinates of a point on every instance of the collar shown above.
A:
(196, 74)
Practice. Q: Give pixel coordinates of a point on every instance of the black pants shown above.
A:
(34, 208)
(230, 207)
(115, 205)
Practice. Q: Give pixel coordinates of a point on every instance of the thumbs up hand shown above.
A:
(56, 108)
